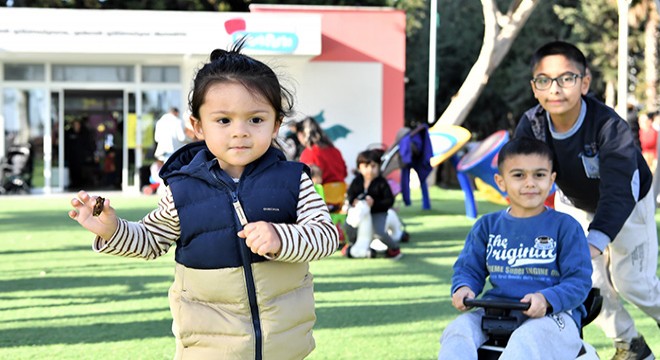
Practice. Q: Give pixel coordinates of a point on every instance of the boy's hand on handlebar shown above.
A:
(458, 296)
(538, 305)
(104, 224)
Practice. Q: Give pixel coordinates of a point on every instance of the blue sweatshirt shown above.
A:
(546, 253)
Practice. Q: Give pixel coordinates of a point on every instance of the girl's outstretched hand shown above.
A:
(261, 238)
(103, 225)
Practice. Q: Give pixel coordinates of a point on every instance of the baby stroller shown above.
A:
(16, 170)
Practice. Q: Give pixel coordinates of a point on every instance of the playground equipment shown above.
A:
(481, 161)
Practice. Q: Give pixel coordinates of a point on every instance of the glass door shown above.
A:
(93, 133)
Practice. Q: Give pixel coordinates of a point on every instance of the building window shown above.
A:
(24, 72)
(93, 73)
(160, 74)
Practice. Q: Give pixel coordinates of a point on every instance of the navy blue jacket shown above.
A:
(204, 196)
(623, 175)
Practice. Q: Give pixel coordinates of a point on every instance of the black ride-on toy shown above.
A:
(503, 317)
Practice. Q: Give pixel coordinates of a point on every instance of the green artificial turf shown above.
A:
(60, 300)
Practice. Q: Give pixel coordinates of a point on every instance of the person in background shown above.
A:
(169, 134)
(320, 151)
(78, 153)
(291, 144)
(648, 138)
(245, 221)
(317, 178)
(370, 187)
(529, 253)
(604, 183)
(632, 117)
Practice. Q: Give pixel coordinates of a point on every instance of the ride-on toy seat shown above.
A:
(502, 318)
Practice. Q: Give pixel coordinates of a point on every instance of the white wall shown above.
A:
(348, 93)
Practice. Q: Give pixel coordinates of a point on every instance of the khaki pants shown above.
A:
(626, 269)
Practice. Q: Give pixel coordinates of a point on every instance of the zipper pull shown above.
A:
(239, 210)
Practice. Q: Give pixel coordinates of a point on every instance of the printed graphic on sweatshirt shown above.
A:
(519, 259)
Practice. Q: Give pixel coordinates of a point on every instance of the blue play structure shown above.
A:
(480, 162)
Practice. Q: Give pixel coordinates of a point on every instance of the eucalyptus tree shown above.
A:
(500, 30)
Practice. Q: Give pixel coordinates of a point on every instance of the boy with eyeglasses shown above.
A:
(605, 184)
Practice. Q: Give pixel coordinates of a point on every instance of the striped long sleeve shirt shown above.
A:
(312, 237)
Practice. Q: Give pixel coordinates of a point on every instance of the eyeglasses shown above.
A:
(567, 80)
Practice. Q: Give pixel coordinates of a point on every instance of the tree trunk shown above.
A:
(651, 58)
(610, 94)
(499, 33)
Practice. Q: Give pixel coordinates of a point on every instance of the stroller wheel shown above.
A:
(16, 185)
(22, 191)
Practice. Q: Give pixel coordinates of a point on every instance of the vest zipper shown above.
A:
(249, 278)
(239, 216)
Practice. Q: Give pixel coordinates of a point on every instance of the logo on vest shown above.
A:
(543, 251)
(271, 209)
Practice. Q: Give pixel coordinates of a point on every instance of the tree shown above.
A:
(646, 16)
(499, 33)
(595, 31)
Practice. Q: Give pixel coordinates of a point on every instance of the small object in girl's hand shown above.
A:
(98, 206)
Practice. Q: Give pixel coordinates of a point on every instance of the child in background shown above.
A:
(319, 150)
(529, 253)
(648, 139)
(317, 179)
(244, 220)
(373, 189)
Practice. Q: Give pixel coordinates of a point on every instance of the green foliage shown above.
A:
(460, 36)
(595, 31)
(416, 13)
(326, 2)
(508, 92)
(181, 5)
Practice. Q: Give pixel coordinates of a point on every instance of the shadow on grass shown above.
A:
(134, 283)
(83, 300)
(338, 317)
(94, 315)
(85, 334)
(64, 249)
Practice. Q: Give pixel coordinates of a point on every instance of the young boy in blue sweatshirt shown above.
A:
(529, 253)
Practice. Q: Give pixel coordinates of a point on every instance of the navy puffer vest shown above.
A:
(204, 196)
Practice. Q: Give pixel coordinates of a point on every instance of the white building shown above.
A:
(119, 71)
